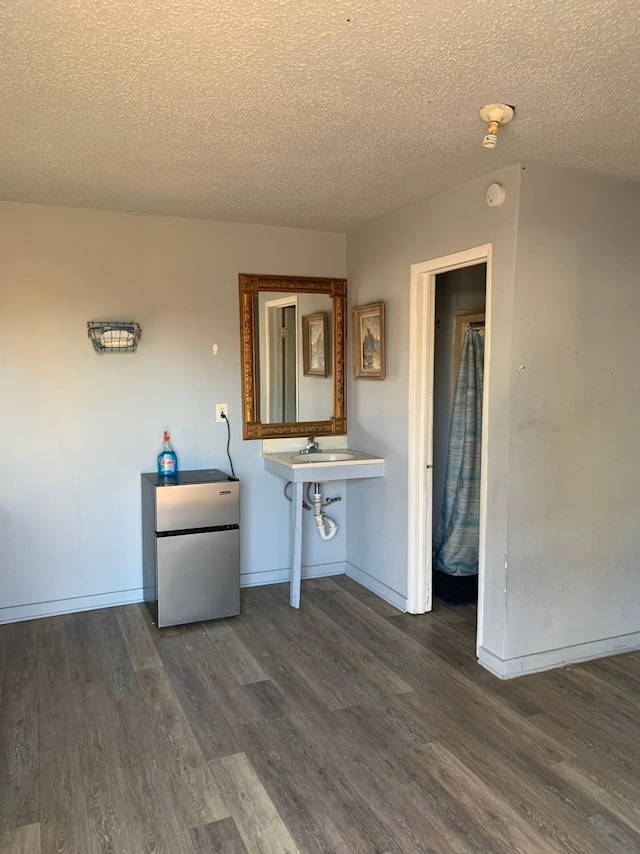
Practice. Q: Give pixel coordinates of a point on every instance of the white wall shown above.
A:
(380, 255)
(456, 291)
(563, 541)
(78, 428)
(574, 480)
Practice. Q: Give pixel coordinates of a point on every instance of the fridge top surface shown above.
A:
(186, 478)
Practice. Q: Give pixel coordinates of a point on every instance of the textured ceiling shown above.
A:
(312, 113)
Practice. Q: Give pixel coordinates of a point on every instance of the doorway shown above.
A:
(423, 424)
(281, 357)
(457, 431)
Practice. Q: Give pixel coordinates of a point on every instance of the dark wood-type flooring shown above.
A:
(344, 727)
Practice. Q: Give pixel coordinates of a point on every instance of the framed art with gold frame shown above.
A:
(368, 324)
(314, 345)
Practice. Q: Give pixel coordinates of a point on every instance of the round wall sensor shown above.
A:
(495, 195)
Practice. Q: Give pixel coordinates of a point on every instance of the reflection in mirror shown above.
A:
(293, 356)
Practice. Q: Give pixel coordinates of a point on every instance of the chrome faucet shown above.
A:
(312, 446)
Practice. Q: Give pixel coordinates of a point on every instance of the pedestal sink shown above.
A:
(322, 457)
(316, 467)
(324, 465)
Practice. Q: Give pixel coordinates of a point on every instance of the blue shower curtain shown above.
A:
(456, 542)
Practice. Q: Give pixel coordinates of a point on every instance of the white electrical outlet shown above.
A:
(220, 409)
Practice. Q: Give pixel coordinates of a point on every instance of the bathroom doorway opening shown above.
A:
(449, 296)
(457, 432)
(281, 357)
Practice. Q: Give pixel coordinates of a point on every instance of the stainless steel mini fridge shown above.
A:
(191, 546)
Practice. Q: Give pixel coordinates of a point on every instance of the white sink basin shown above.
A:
(323, 457)
(322, 466)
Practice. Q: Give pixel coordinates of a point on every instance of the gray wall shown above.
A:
(574, 480)
(380, 255)
(456, 290)
(78, 428)
(562, 581)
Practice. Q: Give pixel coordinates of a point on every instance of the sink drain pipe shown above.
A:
(326, 526)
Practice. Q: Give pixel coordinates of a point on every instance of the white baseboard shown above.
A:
(511, 667)
(16, 613)
(278, 576)
(378, 587)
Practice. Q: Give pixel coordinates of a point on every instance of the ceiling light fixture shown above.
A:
(495, 115)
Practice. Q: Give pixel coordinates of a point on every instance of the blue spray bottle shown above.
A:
(167, 459)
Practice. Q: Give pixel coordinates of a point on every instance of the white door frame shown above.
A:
(421, 382)
(282, 302)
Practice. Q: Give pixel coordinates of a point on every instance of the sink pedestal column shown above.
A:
(296, 556)
(323, 467)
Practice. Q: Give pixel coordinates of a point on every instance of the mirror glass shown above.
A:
(293, 343)
(294, 357)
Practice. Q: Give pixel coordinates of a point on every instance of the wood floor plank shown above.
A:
(55, 700)
(583, 733)
(614, 671)
(238, 703)
(440, 637)
(380, 643)
(19, 789)
(297, 672)
(197, 797)
(220, 837)
(445, 647)
(370, 599)
(615, 708)
(111, 819)
(420, 816)
(392, 723)
(615, 836)
(83, 649)
(620, 799)
(3, 660)
(175, 738)
(369, 667)
(117, 671)
(200, 707)
(138, 640)
(451, 614)
(509, 831)
(260, 826)
(324, 810)
(176, 750)
(554, 810)
(157, 827)
(21, 644)
(21, 840)
(342, 728)
(63, 813)
(367, 615)
(457, 697)
(242, 664)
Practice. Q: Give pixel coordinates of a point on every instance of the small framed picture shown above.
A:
(315, 362)
(368, 341)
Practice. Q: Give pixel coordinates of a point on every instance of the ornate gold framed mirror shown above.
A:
(292, 342)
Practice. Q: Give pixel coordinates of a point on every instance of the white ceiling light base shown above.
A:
(496, 194)
(495, 115)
